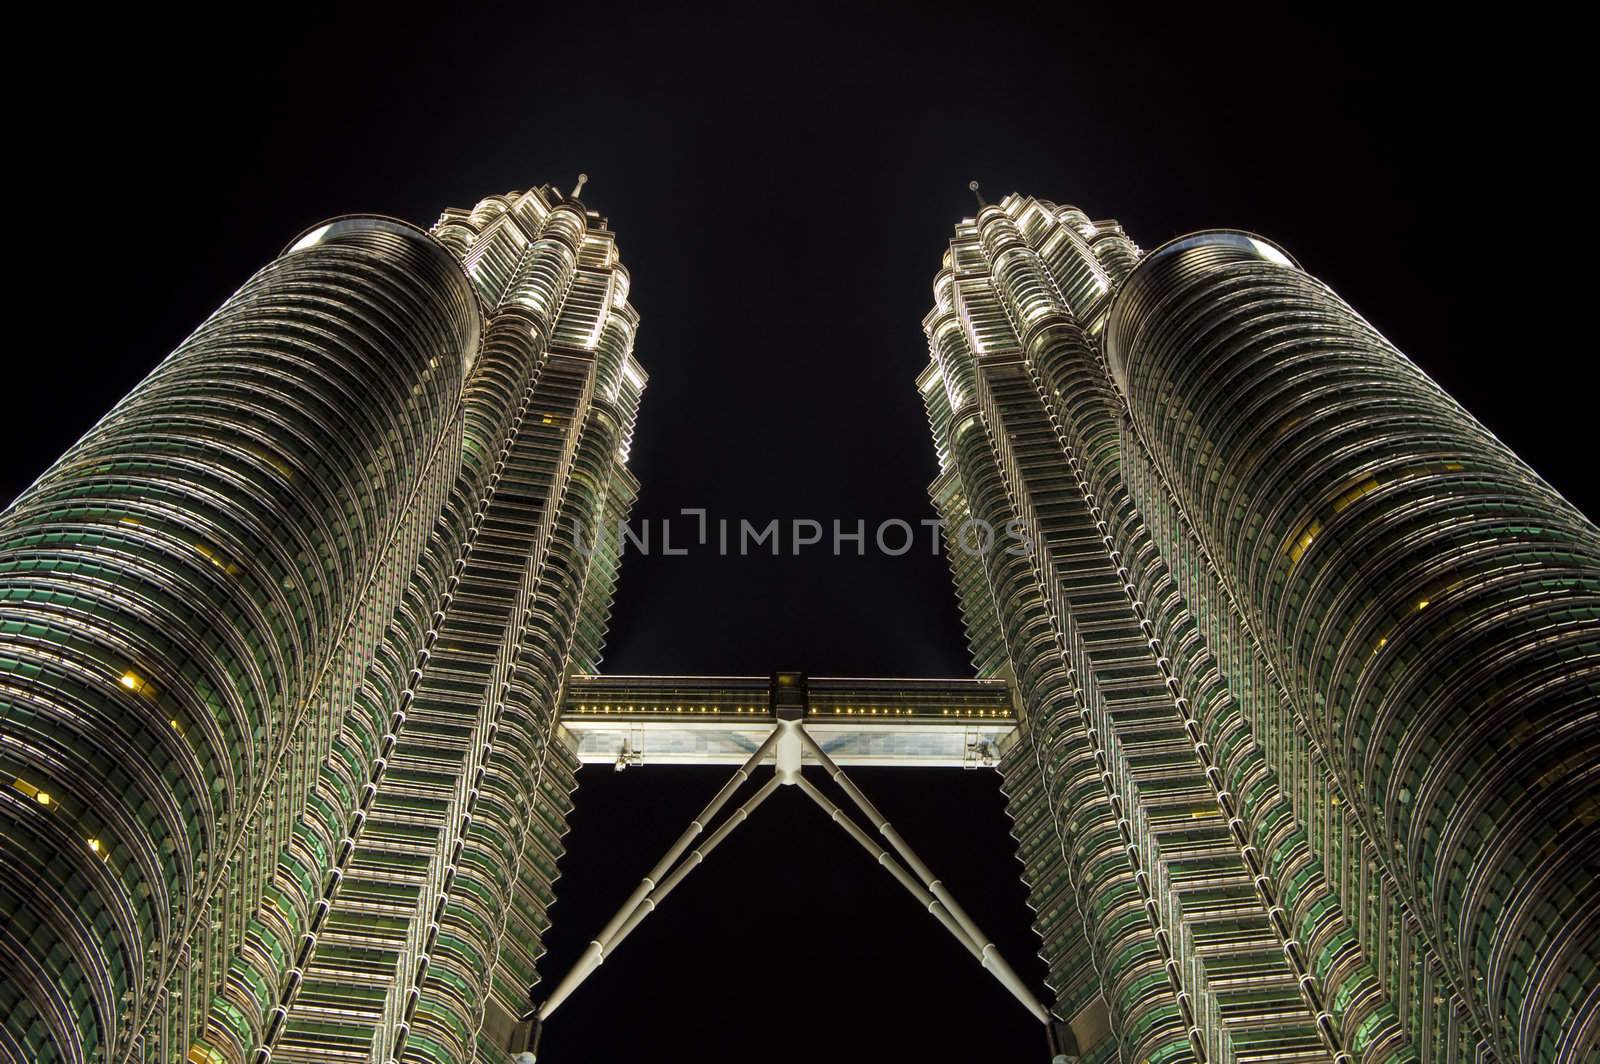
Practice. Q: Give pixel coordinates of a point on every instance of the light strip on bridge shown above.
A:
(718, 720)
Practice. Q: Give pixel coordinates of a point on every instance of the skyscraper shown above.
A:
(284, 640)
(1308, 663)
(1290, 673)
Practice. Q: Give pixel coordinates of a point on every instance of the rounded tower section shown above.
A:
(172, 593)
(1432, 606)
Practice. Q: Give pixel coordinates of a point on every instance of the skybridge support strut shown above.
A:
(648, 894)
(787, 744)
(930, 891)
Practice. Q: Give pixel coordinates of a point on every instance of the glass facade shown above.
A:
(283, 642)
(1293, 692)
(1429, 609)
(1307, 660)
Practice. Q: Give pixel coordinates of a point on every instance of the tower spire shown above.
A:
(577, 190)
(972, 186)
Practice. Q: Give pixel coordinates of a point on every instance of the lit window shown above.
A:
(42, 797)
(136, 683)
(1302, 542)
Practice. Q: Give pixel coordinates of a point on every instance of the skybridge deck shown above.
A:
(721, 720)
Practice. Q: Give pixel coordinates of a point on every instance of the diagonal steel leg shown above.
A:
(987, 952)
(691, 862)
(883, 857)
(633, 910)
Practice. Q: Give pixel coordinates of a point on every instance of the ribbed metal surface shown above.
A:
(1092, 901)
(1430, 607)
(427, 946)
(307, 601)
(181, 597)
(1262, 914)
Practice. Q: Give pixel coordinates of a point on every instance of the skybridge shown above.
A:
(720, 720)
(791, 722)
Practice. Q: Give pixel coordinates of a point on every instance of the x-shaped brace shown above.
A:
(786, 742)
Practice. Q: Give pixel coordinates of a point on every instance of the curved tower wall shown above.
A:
(1306, 660)
(423, 943)
(1155, 926)
(285, 642)
(183, 598)
(1431, 606)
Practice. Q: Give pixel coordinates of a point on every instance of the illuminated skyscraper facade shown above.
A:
(283, 641)
(1308, 663)
(1295, 691)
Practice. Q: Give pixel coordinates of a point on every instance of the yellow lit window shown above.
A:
(1303, 540)
(215, 557)
(136, 683)
(1355, 492)
(42, 797)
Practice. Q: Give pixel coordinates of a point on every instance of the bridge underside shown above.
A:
(721, 720)
(792, 721)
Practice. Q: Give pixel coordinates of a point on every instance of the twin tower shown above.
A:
(1294, 690)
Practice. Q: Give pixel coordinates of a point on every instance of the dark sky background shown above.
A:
(783, 181)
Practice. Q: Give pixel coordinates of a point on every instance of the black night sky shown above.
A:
(783, 182)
